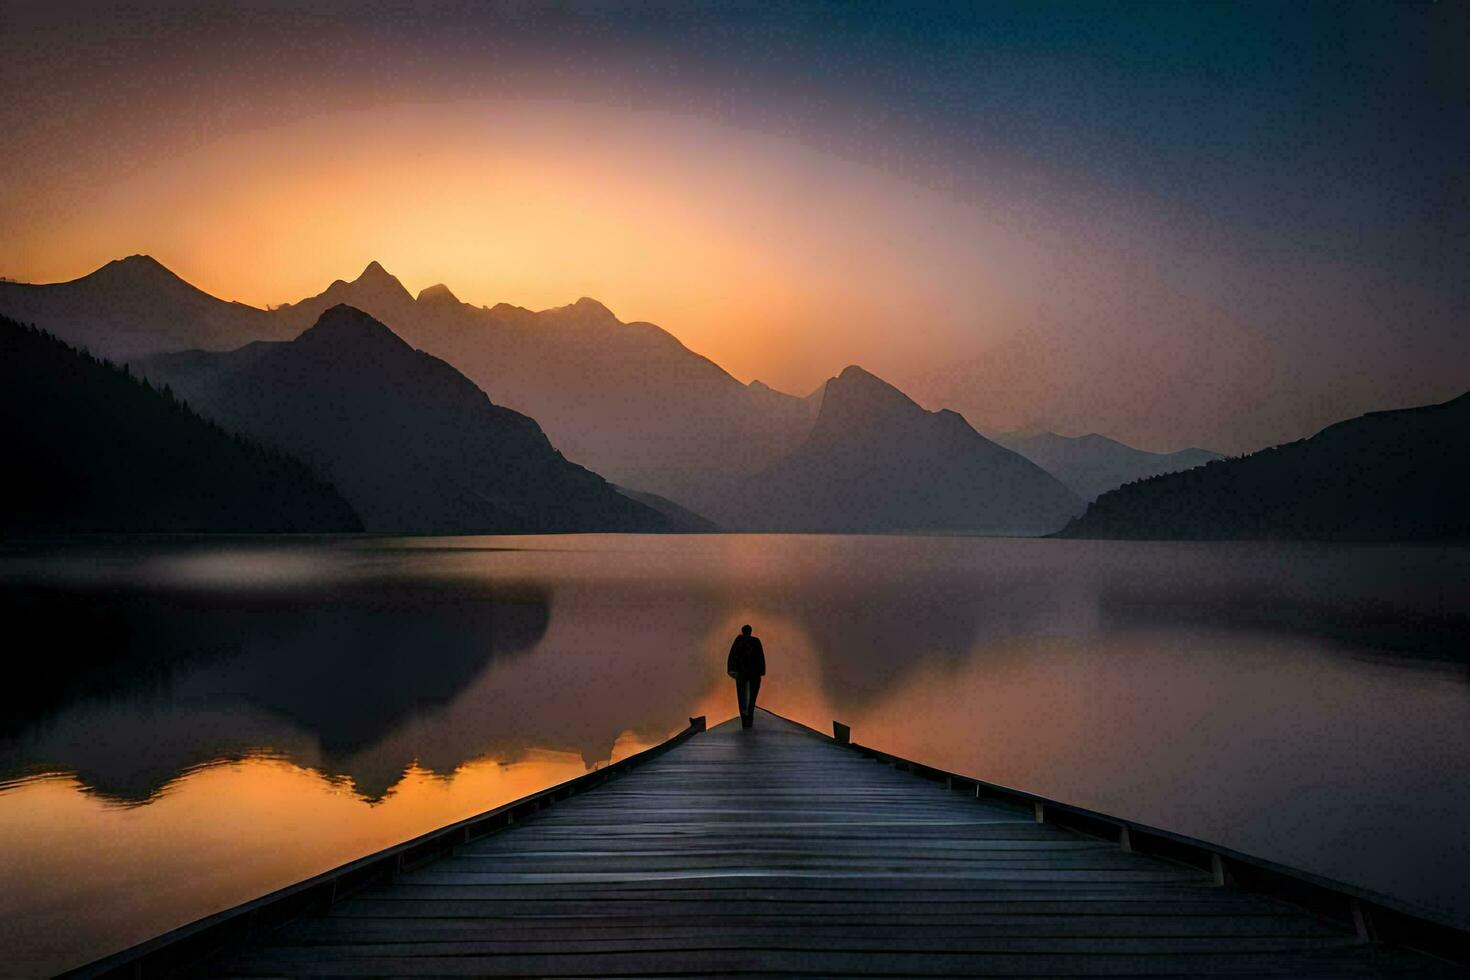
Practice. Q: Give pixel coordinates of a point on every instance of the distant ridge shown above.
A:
(413, 444)
(1386, 476)
(875, 461)
(134, 307)
(1093, 464)
(93, 449)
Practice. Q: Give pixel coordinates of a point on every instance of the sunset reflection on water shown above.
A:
(261, 712)
(215, 837)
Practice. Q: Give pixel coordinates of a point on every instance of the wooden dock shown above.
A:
(776, 851)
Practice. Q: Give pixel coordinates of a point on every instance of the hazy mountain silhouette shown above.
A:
(437, 294)
(680, 518)
(876, 461)
(134, 307)
(1092, 464)
(90, 448)
(375, 292)
(626, 399)
(1386, 476)
(411, 442)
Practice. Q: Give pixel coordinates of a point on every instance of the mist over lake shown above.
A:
(271, 708)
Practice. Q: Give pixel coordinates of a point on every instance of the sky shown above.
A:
(1223, 225)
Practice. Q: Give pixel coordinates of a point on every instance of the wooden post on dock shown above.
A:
(1362, 922)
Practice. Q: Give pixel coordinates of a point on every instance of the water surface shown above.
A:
(211, 719)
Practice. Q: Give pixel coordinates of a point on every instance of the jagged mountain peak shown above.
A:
(375, 284)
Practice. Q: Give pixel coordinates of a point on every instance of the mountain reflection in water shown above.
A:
(322, 674)
(212, 719)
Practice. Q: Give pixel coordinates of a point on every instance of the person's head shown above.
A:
(745, 630)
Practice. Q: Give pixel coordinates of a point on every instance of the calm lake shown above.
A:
(213, 719)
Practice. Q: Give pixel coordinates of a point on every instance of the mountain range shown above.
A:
(682, 442)
(1386, 476)
(625, 399)
(1092, 464)
(413, 444)
(91, 448)
(628, 400)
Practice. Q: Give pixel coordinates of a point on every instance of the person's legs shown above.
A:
(742, 695)
(755, 688)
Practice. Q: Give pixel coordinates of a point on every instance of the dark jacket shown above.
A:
(747, 658)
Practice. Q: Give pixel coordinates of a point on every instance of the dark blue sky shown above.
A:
(1339, 127)
(1343, 126)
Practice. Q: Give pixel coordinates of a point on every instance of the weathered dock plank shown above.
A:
(774, 851)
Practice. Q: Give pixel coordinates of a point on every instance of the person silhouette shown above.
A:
(747, 664)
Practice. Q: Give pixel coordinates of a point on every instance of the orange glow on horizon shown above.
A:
(776, 261)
